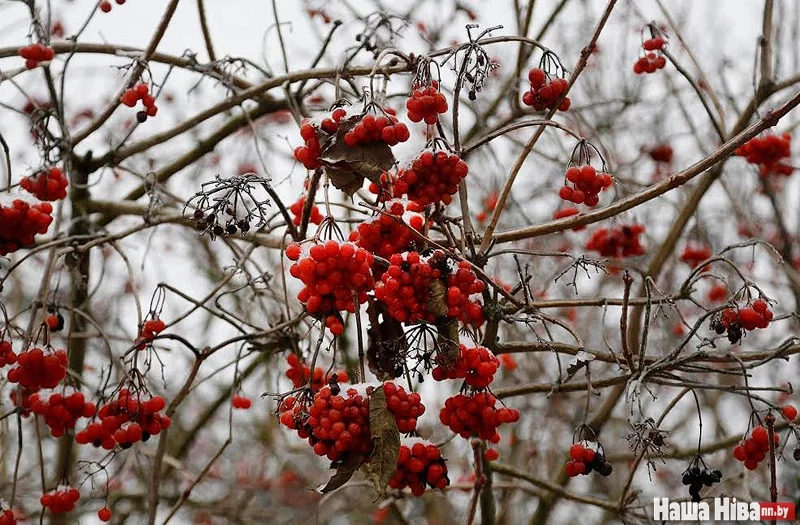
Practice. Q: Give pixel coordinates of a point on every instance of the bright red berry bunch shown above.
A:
(620, 241)
(47, 185)
(476, 366)
(20, 222)
(419, 465)
(433, 177)
(309, 153)
(300, 373)
(105, 6)
(150, 329)
(476, 415)
(7, 517)
(241, 402)
(767, 152)
(39, 368)
(694, 254)
(405, 288)
(755, 448)
(297, 210)
(60, 412)
(757, 315)
(653, 60)
(382, 128)
(426, 103)
(337, 276)
(383, 235)
(7, 355)
(462, 284)
(126, 420)
(61, 500)
(545, 91)
(36, 53)
(489, 204)
(405, 407)
(584, 459)
(587, 183)
(140, 92)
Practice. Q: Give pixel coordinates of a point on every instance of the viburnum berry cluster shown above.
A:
(620, 241)
(384, 235)
(309, 153)
(693, 254)
(61, 411)
(315, 217)
(587, 183)
(405, 407)
(39, 368)
(695, 477)
(432, 177)
(653, 59)
(545, 91)
(755, 448)
(150, 329)
(20, 222)
(7, 355)
(381, 128)
(476, 415)
(767, 153)
(36, 53)
(337, 277)
(105, 6)
(241, 402)
(489, 204)
(426, 103)
(140, 91)
(61, 500)
(585, 457)
(132, 417)
(476, 366)
(405, 288)
(7, 517)
(736, 320)
(419, 465)
(300, 373)
(46, 185)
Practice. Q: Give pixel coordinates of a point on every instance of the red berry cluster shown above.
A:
(300, 373)
(335, 275)
(419, 466)
(768, 152)
(405, 407)
(47, 185)
(694, 254)
(61, 500)
(405, 287)
(39, 368)
(568, 212)
(758, 315)
(584, 459)
(140, 92)
(755, 448)
(587, 185)
(23, 402)
(653, 60)
(241, 402)
(717, 293)
(620, 241)
(489, 204)
(35, 53)
(7, 355)
(371, 129)
(20, 222)
(7, 517)
(431, 178)
(105, 6)
(425, 103)
(60, 412)
(661, 153)
(476, 366)
(150, 329)
(476, 415)
(461, 285)
(384, 235)
(545, 91)
(309, 153)
(297, 210)
(125, 421)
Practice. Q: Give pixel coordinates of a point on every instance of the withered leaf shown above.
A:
(343, 474)
(385, 440)
(387, 343)
(582, 358)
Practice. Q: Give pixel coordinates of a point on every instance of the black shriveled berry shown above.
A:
(141, 117)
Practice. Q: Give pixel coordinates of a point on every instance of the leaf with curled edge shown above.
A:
(582, 359)
(385, 440)
(344, 472)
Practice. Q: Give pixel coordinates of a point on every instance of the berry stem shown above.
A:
(769, 419)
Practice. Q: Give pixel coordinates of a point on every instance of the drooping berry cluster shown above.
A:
(20, 222)
(405, 407)
(419, 465)
(7, 355)
(545, 91)
(126, 420)
(462, 284)
(47, 185)
(39, 368)
(315, 217)
(585, 457)
(587, 183)
(241, 402)
(735, 320)
(653, 59)
(382, 128)
(61, 500)
(300, 373)
(693, 254)
(620, 241)
(150, 329)
(476, 415)
(433, 177)
(489, 204)
(383, 235)
(695, 478)
(36, 53)
(105, 6)
(309, 153)
(405, 288)
(60, 412)
(425, 103)
(140, 92)
(337, 276)
(755, 448)
(476, 366)
(767, 152)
